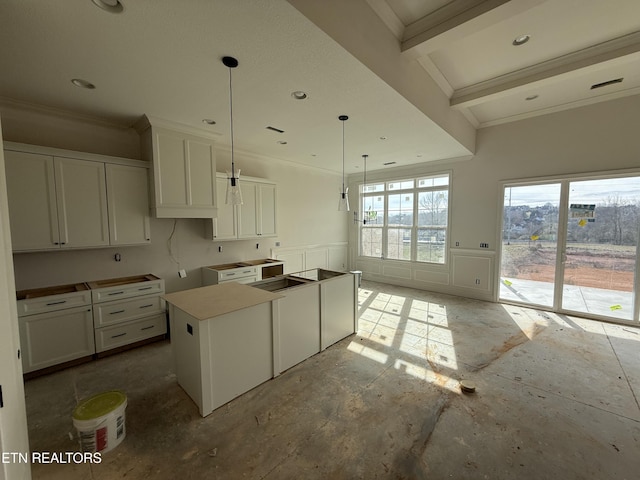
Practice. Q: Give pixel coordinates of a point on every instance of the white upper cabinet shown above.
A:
(81, 195)
(183, 169)
(58, 199)
(257, 214)
(33, 210)
(56, 202)
(255, 218)
(128, 205)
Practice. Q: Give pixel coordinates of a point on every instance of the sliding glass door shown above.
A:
(572, 246)
(530, 243)
(600, 250)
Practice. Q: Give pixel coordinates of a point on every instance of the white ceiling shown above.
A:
(162, 58)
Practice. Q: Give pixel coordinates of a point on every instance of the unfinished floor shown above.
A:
(557, 397)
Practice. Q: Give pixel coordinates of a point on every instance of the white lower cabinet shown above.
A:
(56, 326)
(127, 310)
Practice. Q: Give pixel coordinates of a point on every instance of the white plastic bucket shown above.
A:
(100, 421)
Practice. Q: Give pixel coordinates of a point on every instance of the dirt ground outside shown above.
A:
(609, 267)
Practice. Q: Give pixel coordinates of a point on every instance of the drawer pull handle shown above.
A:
(119, 335)
(247, 271)
(146, 306)
(148, 328)
(145, 288)
(116, 312)
(56, 303)
(116, 293)
(229, 274)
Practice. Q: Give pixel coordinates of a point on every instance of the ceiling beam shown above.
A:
(572, 64)
(457, 20)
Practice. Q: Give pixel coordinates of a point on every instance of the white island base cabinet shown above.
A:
(222, 357)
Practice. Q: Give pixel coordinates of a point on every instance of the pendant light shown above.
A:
(364, 189)
(343, 203)
(234, 194)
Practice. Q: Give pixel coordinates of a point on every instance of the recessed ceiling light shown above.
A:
(383, 138)
(521, 40)
(113, 6)
(299, 95)
(208, 121)
(281, 142)
(531, 97)
(78, 82)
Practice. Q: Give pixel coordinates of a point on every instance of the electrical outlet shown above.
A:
(220, 249)
(484, 245)
(182, 273)
(457, 244)
(277, 244)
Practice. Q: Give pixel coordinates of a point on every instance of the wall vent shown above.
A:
(607, 83)
(275, 129)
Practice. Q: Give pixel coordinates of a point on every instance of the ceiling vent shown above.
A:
(604, 84)
(275, 129)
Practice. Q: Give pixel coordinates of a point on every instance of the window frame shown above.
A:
(386, 192)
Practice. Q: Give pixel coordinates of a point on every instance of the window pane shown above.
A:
(431, 245)
(399, 243)
(400, 209)
(434, 181)
(433, 208)
(371, 242)
(373, 209)
(379, 187)
(400, 185)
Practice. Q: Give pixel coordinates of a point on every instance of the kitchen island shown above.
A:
(231, 337)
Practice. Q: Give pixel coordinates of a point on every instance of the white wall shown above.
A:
(13, 416)
(307, 214)
(594, 138)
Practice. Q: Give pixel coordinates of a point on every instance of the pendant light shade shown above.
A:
(234, 194)
(343, 202)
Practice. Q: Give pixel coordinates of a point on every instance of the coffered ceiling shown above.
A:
(468, 47)
(416, 77)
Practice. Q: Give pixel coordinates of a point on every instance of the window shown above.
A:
(406, 219)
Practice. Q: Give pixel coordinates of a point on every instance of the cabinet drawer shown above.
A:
(126, 333)
(241, 280)
(108, 294)
(110, 313)
(237, 273)
(51, 303)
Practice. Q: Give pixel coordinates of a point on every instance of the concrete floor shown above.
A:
(557, 398)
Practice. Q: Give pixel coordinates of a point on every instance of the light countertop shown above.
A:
(214, 300)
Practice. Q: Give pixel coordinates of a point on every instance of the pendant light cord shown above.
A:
(233, 170)
(343, 157)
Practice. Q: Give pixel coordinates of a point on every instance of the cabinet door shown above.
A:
(48, 339)
(201, 168)
(224, 225)
(267, 211)
(82, 203)
(184, 172)
(248, 211)
(128, 201)
(31, 191)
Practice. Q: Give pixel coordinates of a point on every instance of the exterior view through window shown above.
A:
(406, 219)
(572, 245)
